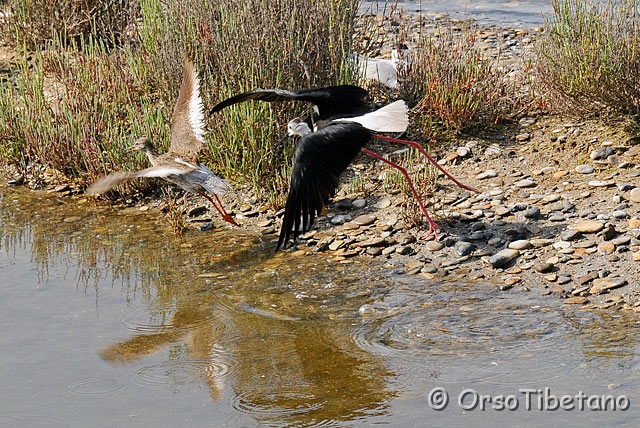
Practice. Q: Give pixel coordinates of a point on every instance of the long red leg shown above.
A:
(424, 152)
(433, 227)
(218, 206)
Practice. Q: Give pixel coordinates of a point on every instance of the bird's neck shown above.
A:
(151, 153)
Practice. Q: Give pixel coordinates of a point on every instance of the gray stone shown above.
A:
(584, 169)
(464, 248)
(503, 257)
(533, 212)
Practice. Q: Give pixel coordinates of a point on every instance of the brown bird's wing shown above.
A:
(319, 160)
(112, 180)
(187, 122)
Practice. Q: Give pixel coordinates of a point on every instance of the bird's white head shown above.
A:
(298, 127)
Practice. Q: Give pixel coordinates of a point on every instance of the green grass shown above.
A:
(589, 59)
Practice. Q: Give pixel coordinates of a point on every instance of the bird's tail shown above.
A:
(393, 117)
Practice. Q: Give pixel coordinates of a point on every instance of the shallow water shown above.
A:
(108, 319)
(516, 13)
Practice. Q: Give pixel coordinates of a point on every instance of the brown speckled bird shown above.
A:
(180, 164)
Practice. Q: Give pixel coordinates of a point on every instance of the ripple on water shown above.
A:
(500, 337)
(97, 387)
(32, 421)
(275, 405)
(183, 372)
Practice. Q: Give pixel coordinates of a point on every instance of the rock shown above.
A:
(197, 211)
(344, 204)
(578, 300)
(433, 246)
(364, 220)
(359, 203)
(492, 151)
(605, 284)
(533, 212)
(404, 250)
(503, 257)
(374, 251)
(373, 242)
(463, 152)
(543, 267)
(382, 203)
(541, 242)
(602, 183)
(487, 174)
(601, 153)
(340, 219)
(525, 136)
(606, 248)
(588, 226)
(584, 169)
(464, 248)
(634, 195)
(570, 235)
(206, 226)
(634, 223)
(526, 183)
(521, 244)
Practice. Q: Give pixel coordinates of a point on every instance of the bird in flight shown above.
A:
(180, 164)
(344, 126)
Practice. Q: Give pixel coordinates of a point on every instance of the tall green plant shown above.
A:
(589, 55)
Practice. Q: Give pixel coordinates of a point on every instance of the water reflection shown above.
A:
(279, 339)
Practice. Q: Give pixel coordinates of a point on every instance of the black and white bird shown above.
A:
(180, 164)
(345, 125)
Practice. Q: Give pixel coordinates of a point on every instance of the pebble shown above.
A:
(541, 242)
(340, 219)
(601, 153)
(382, 203)
(364, 220)
(543, 267)
(634, 195)
(578, 300)
(606, 248)
(588, 226)
(434, 246)
(359, 203)
(487, 174)
(521, 244)
(570, 235)
(526, 183)
(584, 169)
(608, 283)
(464, 248)
(601, 183)
(533, 212)
(503, 257)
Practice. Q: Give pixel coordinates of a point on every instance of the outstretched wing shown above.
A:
(332, 101)
(187, 122)
(112, 180)
(269, 95)
(320, 159)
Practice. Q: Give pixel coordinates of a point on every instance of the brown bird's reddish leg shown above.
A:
(220, 208)
(421, 149)
(433, 227)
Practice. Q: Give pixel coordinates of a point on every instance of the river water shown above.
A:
(515, 13)
(109, 320)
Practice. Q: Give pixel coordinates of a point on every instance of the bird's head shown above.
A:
(142, 145)
(298, 127)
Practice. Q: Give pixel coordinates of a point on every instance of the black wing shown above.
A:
(320, 159)
(332, 101)
(270, 95)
